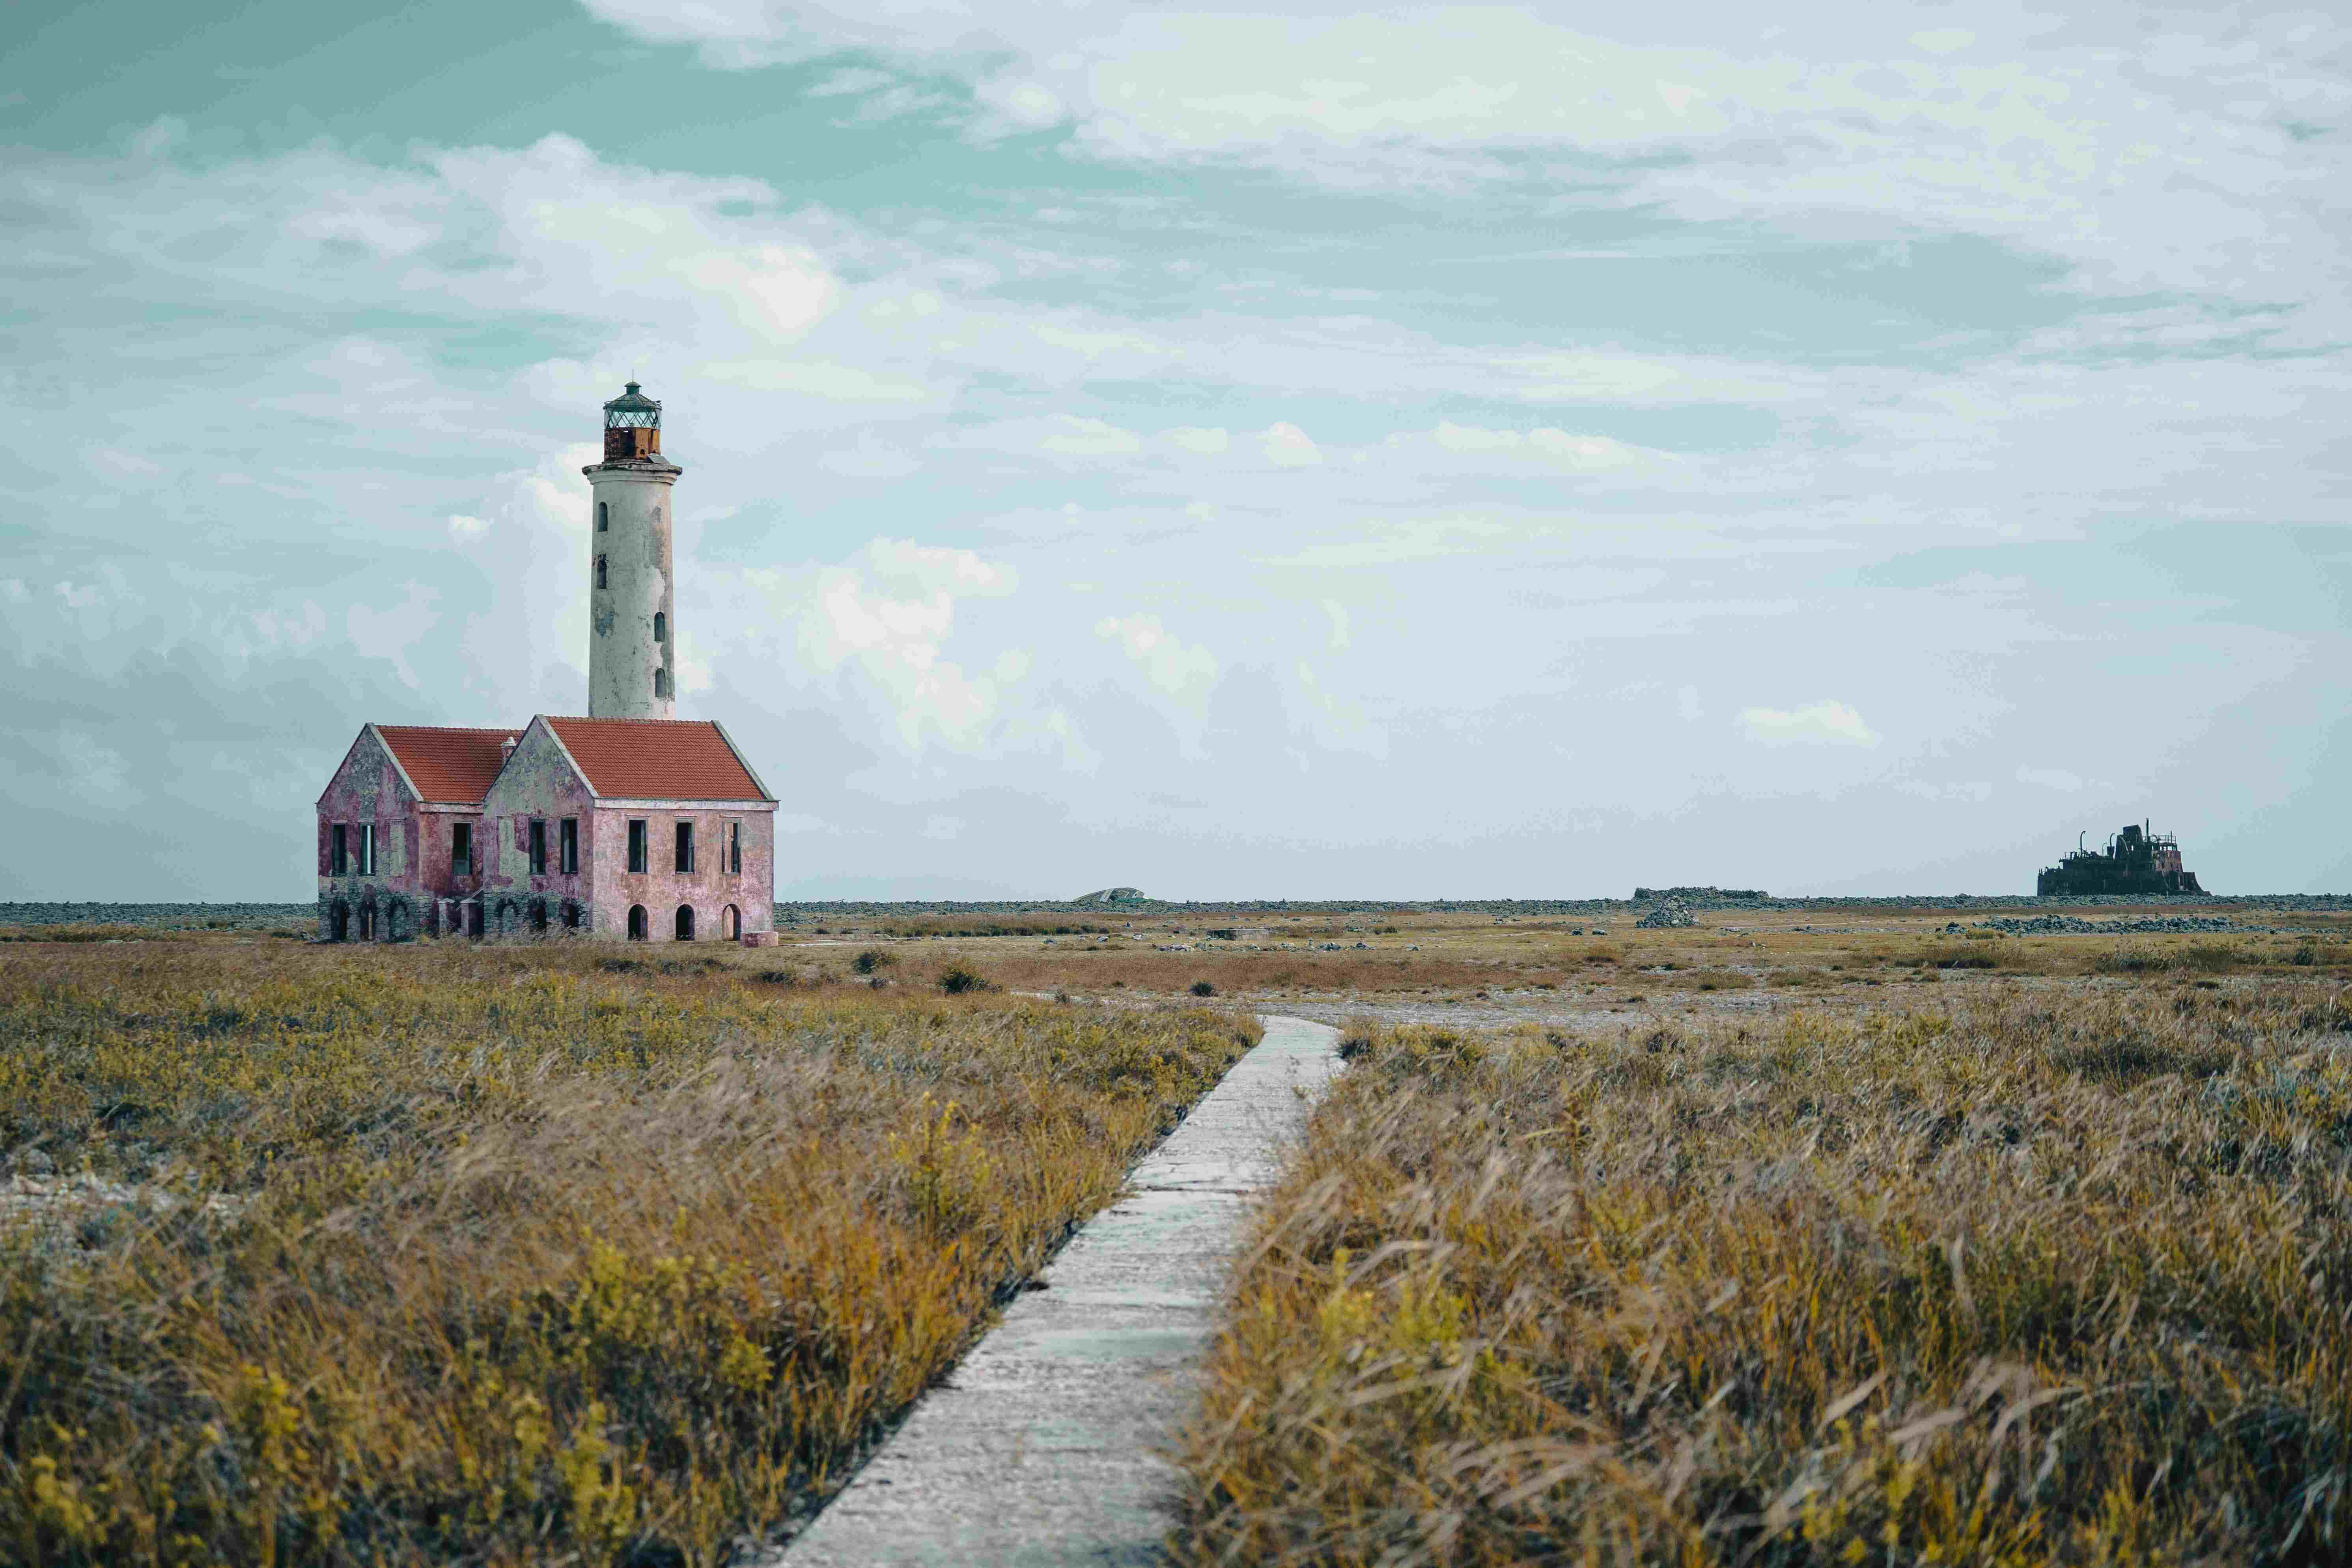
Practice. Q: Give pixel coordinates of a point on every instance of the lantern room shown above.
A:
(632, 427)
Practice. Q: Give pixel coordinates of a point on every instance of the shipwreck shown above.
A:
(2134, 861)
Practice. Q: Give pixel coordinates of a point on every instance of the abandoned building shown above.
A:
(629, 822)
(2134, 861)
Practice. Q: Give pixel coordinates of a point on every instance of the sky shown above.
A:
(1317, 452)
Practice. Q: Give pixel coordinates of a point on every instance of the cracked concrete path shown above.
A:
(1043, 1449)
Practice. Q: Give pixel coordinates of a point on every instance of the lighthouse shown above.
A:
(632, 619)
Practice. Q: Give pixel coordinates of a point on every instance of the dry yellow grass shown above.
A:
(2024, 1276)
(512, 1255)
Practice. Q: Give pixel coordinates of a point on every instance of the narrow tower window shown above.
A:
(686, 847)
(637, 843)
(600, 571)
(539, 859)
(569, 847)
(603, 517)
(338, 859)
(735, 848)
(661, 682)
(661, 626)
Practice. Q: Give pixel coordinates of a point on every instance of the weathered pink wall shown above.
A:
(367, 789)
(540, 782)
(710, 888)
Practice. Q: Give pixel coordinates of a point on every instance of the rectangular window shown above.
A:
(461, 849)
(338, 857)
(637, 843)
(686, 847)
(538, 847)
(735, 848)
(567, 847)
(367, 849)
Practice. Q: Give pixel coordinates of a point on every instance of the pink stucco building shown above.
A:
(628, 824)
(650, 830)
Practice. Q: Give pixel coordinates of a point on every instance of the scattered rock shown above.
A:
(2071, 925)
(1667, 916)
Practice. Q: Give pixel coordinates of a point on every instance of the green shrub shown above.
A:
(956, 979)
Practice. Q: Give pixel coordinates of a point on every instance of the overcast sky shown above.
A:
(1474, 452)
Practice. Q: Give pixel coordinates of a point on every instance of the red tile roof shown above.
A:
(448, 764)
(656, 759)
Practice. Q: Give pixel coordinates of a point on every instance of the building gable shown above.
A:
(369, 772)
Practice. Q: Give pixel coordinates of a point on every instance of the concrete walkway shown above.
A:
(1042, 1450)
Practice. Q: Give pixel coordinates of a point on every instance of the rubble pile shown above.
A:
(1666, 917)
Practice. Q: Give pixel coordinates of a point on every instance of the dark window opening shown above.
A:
(637, 922)
(661, 682)
(338, 855)
(603, 517)
(367, 922)
(600, 571)
(735, 848)
(538, 851)
(473, 918)
(568, 846)
(539, 915)
(661, 626)
(343, 922)
(365, 855)
(637, 843)
(461, 849)
(571, 915)
(685, 846)
(685, 922)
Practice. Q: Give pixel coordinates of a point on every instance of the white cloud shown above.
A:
(1208, 442)
(817, 378)
(463, 528)
(1184, 671)
(1286, 445)
(1883, 119)
(886, 616)
(1826, 722)
(1554, 448)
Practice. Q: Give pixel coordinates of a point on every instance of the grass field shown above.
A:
(1793, 1237)
(2020, 1271)
(511, 1254)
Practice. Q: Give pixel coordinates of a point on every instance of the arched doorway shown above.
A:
(685, 922)
(539, 916)
(571, 915)
(731, 922)
(473, 918)
(637, 922)
(396, 921)
(367, 922)
(508, 921)
(341, 918)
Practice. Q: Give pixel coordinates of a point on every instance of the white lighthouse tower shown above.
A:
(632, 627)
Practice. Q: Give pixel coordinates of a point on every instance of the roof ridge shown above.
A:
(456, 728)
